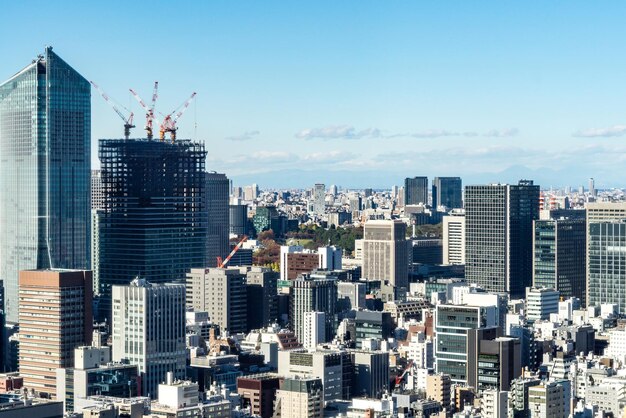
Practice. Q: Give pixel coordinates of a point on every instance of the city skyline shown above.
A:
(360, 96)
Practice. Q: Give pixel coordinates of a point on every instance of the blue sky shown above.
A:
(357, 93)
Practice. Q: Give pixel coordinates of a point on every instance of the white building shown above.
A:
(319, 199)
(454, 237)
(325, 365)
(493, 403)
(547, 401)
(314, 329)
(300, 398)
(617, 344)
(540, 303)
(149, 330)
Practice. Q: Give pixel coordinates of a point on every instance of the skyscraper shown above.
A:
(385, 254)
(454, 238)
(216, 203)
(149, 330)
(415, 190)
(55, 318)
(313, 293)
(45, 134)
(448, 192)
(498, 236)
(154, 220)
(559, 247)
(319, 196)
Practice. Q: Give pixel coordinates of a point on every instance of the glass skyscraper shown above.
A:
(607, 264)
(416, 190)
(45, 162)
(448, 192)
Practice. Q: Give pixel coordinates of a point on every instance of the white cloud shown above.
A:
(617, 130)
(502, 133)
(440, 133)
(350, 132)
(338, 132)
(244, 136)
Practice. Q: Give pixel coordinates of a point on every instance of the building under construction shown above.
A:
(153, 223)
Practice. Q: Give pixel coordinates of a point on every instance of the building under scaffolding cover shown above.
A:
(153, 222)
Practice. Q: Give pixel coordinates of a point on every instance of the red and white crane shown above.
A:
(128, 120)
(150, 117)
(169, 122)
(222, 264)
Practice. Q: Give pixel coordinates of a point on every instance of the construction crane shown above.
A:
(169, 122)
(149, 110)
(400, 379)
(128, 120)
(222, 264)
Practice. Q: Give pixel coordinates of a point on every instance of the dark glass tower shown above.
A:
(45, 162)
(448, 192)
(416, 190)
(499, 236)
(217, 193)
(154, 222)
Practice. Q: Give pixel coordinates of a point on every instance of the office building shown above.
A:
(319, 199)
(148, 330)
(385, 254)
(447, 192)
(45, 144)
(314, 329)
(371, 373)
(295, 260)
(559, 253)
(262, 297)
(452, 323)
(300, 398)
(350, 296)
(55, 317)
(540, 303)
(493, 361)
(499, 236)
(218, 213)
(146, 182)
(426, 250)
(222, 293)
(238, 223)
(313, 293)
(606, 254)
(373, 325)
(258, 391)
(454, 238)
(415, 191)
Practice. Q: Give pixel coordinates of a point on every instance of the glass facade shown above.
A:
(45, 162)
(448, 192)
(607, 264)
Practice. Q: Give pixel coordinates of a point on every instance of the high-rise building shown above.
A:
(494, 403)
(238, 220)
(415, 191)
(218, 224)
(540, 303)
(148, 328)
(313, 292)
(154, 221)
(547, 400)
(559, 248)
(499, 236)
(295, 260)
(493, 361)
(438, 388)
(452, 323)
(371, 373)
(55, 318)
(262, 296)
(314, 329)
(319, 196)
(300, 398)
(258, 391)
(385, 254)
(332, 190)
(45, 144)
(606, 254)
(592, 187)
(447, 192)
(222, 293)
(454, 238)
(97, 192)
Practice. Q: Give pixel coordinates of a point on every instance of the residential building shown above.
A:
(518, 396)
(547, 401)
(222, 293)
(415, 191)
(313, 292)
(217, 209)
(447, 192)
(314, 329)
(55, 317)
(493, 403)
(454, 238)
(559, 253)
(438, 388)
(385, 254)
(498, 236)
(258, 391)
(45, 142)
(300, 398)
(144, 183)
(148, 330)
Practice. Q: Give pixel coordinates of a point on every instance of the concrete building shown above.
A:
(222, 293)
(415, 191)
(452, 324)
(217, 208)
(258, 391)
(55, 317)
(262, 297)
(447, 192)
(300, 398)
(559, 251)
(518, 396)
(493, 403)
(454, 238)
(148, 330)
(13, 405)
(45, 136)
(319, 199)
(314, 329)
(385, 254)
(350, 296)
(547, 400)
(371, 373)
(438, 389)
(295, 260)
(313, 293)
(540, 303)
(492, 361)
(498, 236)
